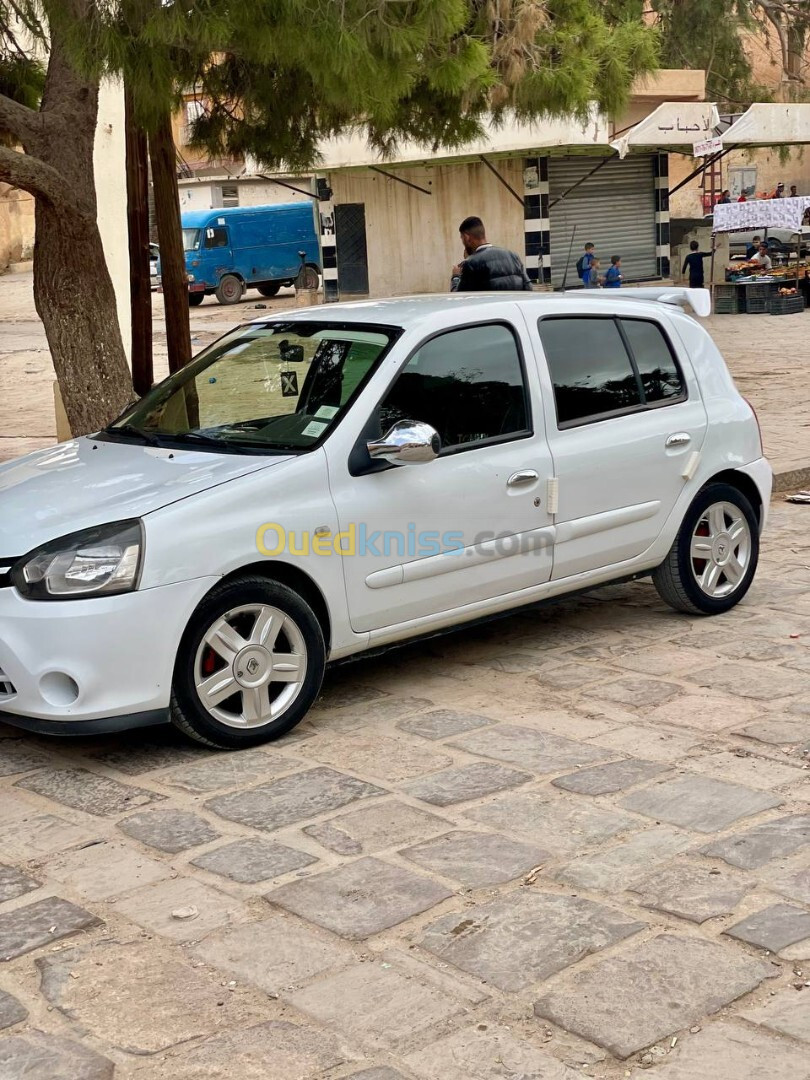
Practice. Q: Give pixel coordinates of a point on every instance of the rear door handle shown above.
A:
(680, 438)
(522, 476)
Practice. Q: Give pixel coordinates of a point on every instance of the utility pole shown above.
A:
(174, 277)
(140, 287)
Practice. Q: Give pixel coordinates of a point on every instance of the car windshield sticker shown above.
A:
(315, 427)
(289, 384)
(326, 412)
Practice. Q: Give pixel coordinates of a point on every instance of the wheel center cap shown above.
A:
(721, 548)
(252, 666)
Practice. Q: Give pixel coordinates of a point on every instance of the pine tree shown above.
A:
(277, 76)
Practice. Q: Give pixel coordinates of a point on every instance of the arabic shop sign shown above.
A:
(673, 123)
(708, 146)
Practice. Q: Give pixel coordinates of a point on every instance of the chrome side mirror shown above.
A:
(409, 442)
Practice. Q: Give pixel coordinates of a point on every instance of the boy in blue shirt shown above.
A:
(585, 264)
(613, 277)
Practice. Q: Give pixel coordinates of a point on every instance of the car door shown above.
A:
(470, 524)
(624, 420)
(216, 251)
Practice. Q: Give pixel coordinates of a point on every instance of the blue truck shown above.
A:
(245, 247)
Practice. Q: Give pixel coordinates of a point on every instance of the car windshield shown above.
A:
(264, 387)
(191, 239)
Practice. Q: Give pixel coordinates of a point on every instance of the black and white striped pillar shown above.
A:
(326, 209)
(536, 226)
(662, 252)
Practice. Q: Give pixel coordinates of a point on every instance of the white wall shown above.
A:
(412, 238)
(111, 193)
(203, 193)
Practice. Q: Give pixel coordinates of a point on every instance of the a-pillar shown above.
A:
(537, 239)
(331, 288)
(662, 251)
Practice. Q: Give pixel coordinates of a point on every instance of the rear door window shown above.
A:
(660, 378)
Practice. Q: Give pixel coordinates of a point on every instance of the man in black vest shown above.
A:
(487, 268)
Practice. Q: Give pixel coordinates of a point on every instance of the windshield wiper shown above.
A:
(128, 429)
(209, 440)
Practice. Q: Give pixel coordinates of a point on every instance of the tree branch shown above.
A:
(18, 120)
(38, 179)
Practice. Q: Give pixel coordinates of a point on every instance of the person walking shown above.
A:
(487, 268)
(592, 280)
(584, 264)
(613, 277)
(694, 264)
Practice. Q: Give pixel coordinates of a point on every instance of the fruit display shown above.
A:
(788, 292)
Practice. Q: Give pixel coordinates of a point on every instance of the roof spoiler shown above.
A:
(700, 300)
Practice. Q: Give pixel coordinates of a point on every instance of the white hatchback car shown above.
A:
(340, 478)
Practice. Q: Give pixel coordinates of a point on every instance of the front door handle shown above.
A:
(522, 476)
(680, 438)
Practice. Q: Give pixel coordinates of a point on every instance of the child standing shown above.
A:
(584, 264)
(592, 280)
(694, 264)
(613, 277)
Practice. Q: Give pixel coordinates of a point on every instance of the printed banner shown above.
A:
(761, 214)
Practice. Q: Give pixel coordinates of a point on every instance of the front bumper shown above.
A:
(106, 660)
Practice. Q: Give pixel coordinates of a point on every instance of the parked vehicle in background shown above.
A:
(347, 477)
(779, 241)
(245, 247)
(154, 265)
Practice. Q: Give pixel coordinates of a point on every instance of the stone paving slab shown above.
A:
(731, 1052)
(773, 928)
(153, 907)
(361, 898)
(14, 883)
(273, 954)
(253, 860)
(607, 779)
(229, 771)
(793, 883)
(37, 1056)
(84, 790)
(138, 998)
(376, 828)
(619, 867)
(16, 756)
(442, 723)
(465, 783)
(106, 869)
(41, 834)
(376, 1005)
(673, 982)
(531, 749)
(525, 937)
(476, 859)
(275, 1050)
(383, 1073)
(699, 802)
(388, 759)
(696, 892)
(786, 1014)
(476, 1055)
(292, 798)
(41, 923)
(169, 830)
(759, 845)
(11, 1011)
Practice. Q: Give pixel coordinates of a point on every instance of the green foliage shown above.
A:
(277, 76)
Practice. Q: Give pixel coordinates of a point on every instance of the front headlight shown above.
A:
(94, 562)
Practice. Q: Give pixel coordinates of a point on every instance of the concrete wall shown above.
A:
(111, 193)
(204, 194)
(16, 225)
(412, 238)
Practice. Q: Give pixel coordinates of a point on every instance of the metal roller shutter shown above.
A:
(614, 208)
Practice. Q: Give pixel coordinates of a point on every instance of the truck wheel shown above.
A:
(195, 299)
(229, 290)
(270, 288)
(712, 561)
(249, 666)
(311, 277)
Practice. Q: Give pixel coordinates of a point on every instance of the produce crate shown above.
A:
(787, 305)
(729, 300)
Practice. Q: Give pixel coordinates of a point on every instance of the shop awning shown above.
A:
(677, 124)
(770, 124)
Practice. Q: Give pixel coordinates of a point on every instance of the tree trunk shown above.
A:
(73, 290)
(174, 277)
(140, 278)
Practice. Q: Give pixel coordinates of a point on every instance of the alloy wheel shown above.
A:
(720, 549)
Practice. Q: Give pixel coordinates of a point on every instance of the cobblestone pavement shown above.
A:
(767, 356)
(572, 842)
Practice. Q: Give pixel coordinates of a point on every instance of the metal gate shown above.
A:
(352, 256)
(614, 209)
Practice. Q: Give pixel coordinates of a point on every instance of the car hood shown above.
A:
(87, 482)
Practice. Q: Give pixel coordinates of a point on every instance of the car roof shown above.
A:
(194, 219)
(410, 311)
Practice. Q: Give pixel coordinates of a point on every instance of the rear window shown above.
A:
(602, 367)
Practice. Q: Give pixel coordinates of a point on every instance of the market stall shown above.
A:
(748, 288)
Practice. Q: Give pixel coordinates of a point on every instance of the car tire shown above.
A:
(237, 638)
(230, 290)
(270, 288)
(713, 559)
(195, 299)
(311, 277)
